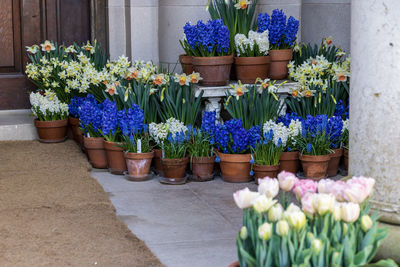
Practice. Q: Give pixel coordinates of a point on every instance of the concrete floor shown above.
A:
(183, 225)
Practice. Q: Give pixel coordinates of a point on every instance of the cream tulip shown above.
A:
(265, 231)
(268, 186)
(286, 180)
(366, 223)
(275, 213)
(324, 203)
(316, 246)
(243, 233)
(350, 212)
(262, 204)
(244, 198)
(282, 228)
(297, 220)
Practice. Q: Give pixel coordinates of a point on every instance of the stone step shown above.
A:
(17, 125)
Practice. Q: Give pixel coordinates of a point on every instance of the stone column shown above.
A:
(144, 30)
(374, 100)
(173, 16)
(118, 28)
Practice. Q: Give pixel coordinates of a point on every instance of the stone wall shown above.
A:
(322, 18)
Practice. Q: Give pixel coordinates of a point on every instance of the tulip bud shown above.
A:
(282, 228)
(275, 213)
(366, 223)
(262, 204)
(316, 246)
(243, 233)
(337, 212)
(297, 220)
(265, 231)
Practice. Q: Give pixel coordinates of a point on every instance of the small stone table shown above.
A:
(216, 93)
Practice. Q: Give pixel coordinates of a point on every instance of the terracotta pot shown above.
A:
(261, 171)
(157, 162)
(346, 159)
(280, 58)
(115, 157)
(215, 71)
(334, 162)
(175, 168)
(235, 264)
(289, 161)
(95, 151)
(315, 167)
(52, 131)
(248, 69)
(235, 168)
(186, 63)
(139, 165)
(203, 168)
(76, 131)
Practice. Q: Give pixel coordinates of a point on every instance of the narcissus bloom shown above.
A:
(195, 77)
(242, 4)
(48, 46)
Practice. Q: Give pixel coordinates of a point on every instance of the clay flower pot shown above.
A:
(95, 151)
(157, 162)
(115, 157)
(261, 171)
(52, 131)
(215, 71)
(138, 165)
(235, 168)
(76, 131)
(334, 162)
(346, 159)
(186, 63)
(235, 264)
(315, 167)
(289, 161)
(203, 168)
(248, 69)
(175, 169)
(280, 58)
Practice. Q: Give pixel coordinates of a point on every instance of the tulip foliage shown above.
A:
(330, 228)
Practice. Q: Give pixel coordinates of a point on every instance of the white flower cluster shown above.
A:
(317, 71)
(345, 125)
(47, 105)
(286, 134)
(160, 131)
(261, 39)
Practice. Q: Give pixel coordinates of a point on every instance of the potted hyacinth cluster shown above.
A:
(201, 148)
(159, 133)
(51, 116)
(91, 114)
(282, 37)
(266, 153)
(289, 127)
(233, 143)
(175, 159)
(252, 60)
(73, 118)
(333, 226)
(335, 129)
(208, 43)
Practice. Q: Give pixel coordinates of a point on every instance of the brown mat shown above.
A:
(52, 213)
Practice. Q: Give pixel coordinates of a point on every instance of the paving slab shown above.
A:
(194, 224)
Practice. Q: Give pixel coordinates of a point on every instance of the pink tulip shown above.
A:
(366, 182)
(337, 189)
(307, 203)
(286, 180)
(355, 192)
(304, 186)
(325, 186)
(268, 186)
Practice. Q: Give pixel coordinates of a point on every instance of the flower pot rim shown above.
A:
(109, 145)
(243, 158)
(266, 166)
(337, 153)
(50, 124)
(145, 155)
(246, 61)
(175, 160)
(212, 61)
(200, 160)
(315, 158)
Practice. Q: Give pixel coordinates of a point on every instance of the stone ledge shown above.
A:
(17, 125)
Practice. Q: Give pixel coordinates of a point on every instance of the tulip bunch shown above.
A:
(332, 228)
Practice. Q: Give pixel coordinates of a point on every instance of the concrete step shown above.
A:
(17, 125)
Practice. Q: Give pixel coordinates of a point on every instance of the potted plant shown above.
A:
(345, 142)
(90, 114)
(266, 154)
(187, 58)
(201, 149)
(51, 116)
(322, 232)
(159, 132)
(175, 160)
(73, 119)
(253, 104)
(282, 37)
(314, 143)
(138, 155)
(233, 143)
(209, 45)
(289, 160)
(252, 60)
(335, 127)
